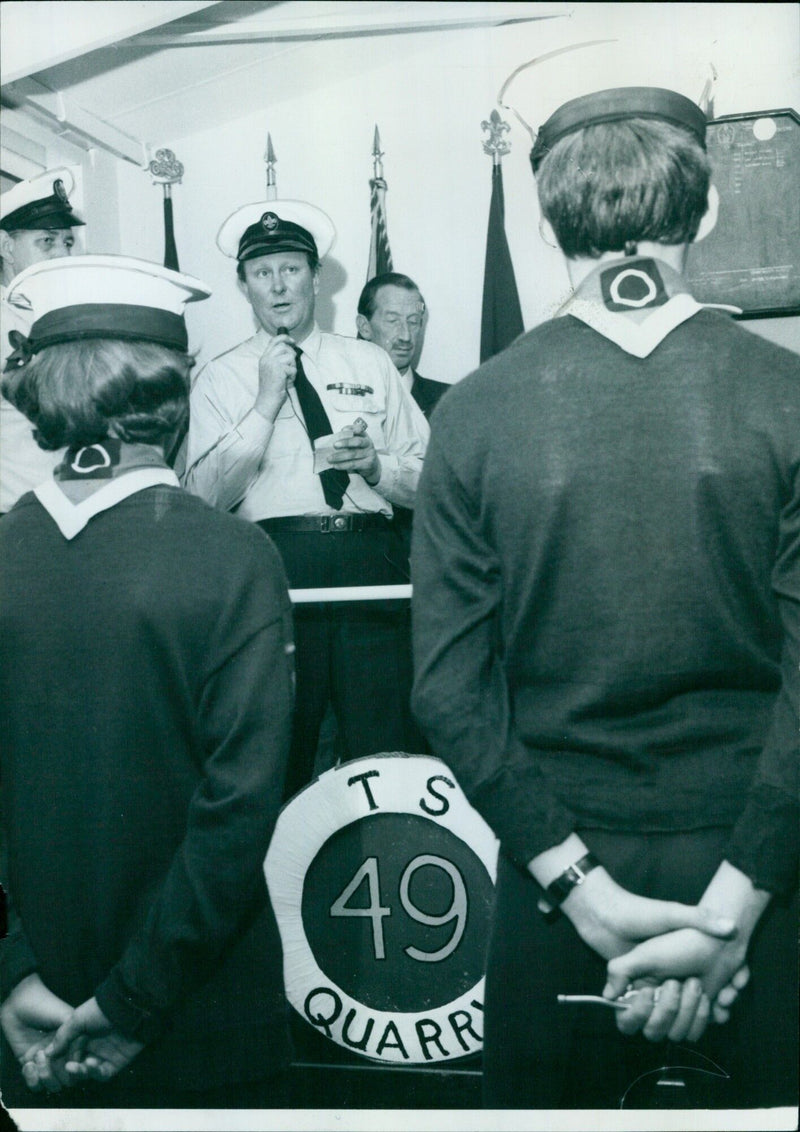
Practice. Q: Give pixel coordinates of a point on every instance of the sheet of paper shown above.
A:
(323, 446)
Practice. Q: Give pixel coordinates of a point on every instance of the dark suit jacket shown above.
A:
(426, 392)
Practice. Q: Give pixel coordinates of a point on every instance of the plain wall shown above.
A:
(429, 93)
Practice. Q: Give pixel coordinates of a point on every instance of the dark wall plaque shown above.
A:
(752, 258)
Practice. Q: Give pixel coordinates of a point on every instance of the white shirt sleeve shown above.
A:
(406, 432)
(226, 441)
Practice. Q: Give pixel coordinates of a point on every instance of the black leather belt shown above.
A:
(325, 524)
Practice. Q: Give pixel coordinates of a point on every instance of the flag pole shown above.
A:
(271, 160)
(166, 170)
(380, 254)
(377, 156)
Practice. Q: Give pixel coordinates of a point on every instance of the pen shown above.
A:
(614, 1003)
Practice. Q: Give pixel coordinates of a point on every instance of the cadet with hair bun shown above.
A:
(146, 690)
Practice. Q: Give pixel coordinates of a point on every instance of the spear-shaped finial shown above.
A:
(270, 159)
(377, 154)
(496, 145)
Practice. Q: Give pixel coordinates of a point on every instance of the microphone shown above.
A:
(282, 330)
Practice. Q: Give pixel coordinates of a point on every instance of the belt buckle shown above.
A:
(333, 523)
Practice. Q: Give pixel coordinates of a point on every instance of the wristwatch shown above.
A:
(558, 890)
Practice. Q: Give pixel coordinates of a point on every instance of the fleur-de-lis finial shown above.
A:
(165, 169)
(496, 145)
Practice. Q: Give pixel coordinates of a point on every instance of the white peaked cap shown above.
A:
(40, 198)
(105, 296)
(276, 225)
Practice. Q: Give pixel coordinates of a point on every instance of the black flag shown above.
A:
(501, 318)
(170, 250)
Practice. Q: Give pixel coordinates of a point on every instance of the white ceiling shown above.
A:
(131, 76)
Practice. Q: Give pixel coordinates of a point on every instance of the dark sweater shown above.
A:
(606, 576)
(145, 704)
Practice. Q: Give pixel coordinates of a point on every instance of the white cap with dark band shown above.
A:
(41, 202)
(105, 296)
(271, 226)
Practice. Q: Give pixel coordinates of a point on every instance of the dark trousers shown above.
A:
(355, 656)
(542, 1055)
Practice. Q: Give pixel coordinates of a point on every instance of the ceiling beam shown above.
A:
(64, 118)
(335, 26)
(41, 34)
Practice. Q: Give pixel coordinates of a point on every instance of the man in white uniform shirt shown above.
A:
(36, 222)
(257, 414)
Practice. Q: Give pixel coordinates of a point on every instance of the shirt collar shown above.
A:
(636, 325)
(312, 343)
(71, 518)
(92, 479)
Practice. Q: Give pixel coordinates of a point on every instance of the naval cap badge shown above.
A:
(60, 192)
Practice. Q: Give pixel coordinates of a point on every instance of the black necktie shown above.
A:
(334, 480)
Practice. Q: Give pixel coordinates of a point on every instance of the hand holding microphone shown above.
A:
(283, 332)
(277, 367)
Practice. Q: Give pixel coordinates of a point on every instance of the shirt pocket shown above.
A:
(355, 403)
(347, 407)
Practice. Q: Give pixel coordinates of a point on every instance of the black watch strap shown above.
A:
(559, 889)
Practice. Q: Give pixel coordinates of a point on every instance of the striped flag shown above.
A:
(380, 254)
(501, 317)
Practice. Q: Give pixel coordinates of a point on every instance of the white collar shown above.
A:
(71, 518)
(311, 344)
(407, 378)
(637, 338)
(638, 330)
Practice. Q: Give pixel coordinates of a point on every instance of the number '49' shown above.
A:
(375, 911)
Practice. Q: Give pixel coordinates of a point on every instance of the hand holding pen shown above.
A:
(621, 1003)
(674, 1010)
